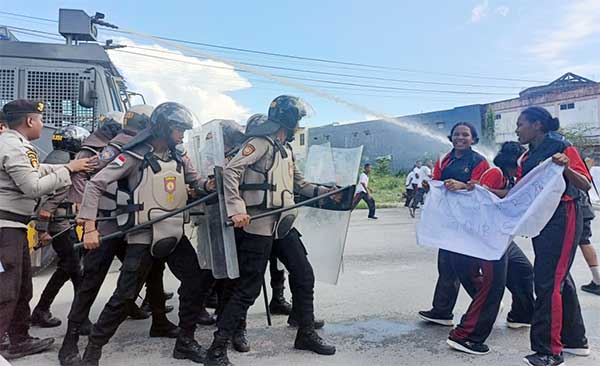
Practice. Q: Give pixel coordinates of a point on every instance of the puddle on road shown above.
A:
(371, 331)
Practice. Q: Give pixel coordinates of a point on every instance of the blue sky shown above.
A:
(530, 40)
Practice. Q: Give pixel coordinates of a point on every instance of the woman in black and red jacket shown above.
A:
(557, 315)
(456, 169)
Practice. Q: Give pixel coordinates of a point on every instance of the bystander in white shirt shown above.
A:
(363, 181)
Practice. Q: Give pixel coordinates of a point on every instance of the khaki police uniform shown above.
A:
(96, 263)
(255, 241)
(23, 180)
(133, 167)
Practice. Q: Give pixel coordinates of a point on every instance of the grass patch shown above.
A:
(387, 190)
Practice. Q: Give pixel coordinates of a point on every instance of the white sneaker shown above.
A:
(580, 351)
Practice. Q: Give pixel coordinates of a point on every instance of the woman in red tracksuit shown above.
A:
(557, 325)
(458, 167)
(519, 271)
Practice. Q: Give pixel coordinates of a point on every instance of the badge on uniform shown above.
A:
(466, 169)
(248, 150)
(107, 155)
(170, 184)
(120, 160)
(33, 158)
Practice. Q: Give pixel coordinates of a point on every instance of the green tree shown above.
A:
(488, 127)
(579, 135)
(383, 166)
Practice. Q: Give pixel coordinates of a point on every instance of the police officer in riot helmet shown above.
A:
(233, 137)
(155, 176)
(66, 142)
(261, 178)
(278, 304)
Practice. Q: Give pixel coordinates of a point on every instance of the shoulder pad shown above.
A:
(58, 157)
(139, 151)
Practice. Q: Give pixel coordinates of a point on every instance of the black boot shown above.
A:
(86, 328)
(162, 327)
(204, 318)
(308, 339)
(293, 322)
(92, 355)
(217, 353)
(27, 346)
(278, 305)
(186, 348)
(44, 319)
(68, 355)
(134, 312)
(239, 339)
(212, 301)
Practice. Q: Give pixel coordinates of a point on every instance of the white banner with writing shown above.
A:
(479, 224)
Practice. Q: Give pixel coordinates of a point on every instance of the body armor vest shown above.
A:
(108, 201)
(160, 190)
(272, 188)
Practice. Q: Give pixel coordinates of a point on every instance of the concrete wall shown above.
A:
(381, 138)
(585, 111)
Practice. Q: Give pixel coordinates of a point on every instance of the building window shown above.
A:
(498, 116)
(301, 139)
(566, 106)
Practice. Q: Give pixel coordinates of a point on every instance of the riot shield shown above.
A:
(215, 241)
(324, 228)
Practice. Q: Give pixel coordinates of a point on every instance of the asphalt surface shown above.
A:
(370, 314)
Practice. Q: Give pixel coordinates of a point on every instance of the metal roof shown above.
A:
(91, 53)
(568, 81)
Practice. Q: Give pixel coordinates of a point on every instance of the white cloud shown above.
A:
(580, 22)
(479, 12)
(502, 10)
(169, 75)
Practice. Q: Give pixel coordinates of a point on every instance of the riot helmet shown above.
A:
(111, 124)
(165, 118)
(259, 125)
(287, 111)
(69, 138)
(138, 117)
(233, 133)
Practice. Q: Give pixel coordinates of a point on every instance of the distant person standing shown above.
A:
(585, 244)
(364, 192)
(410, 192)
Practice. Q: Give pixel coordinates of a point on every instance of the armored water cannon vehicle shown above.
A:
(76, 80)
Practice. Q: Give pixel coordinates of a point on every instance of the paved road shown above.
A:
(371, 313)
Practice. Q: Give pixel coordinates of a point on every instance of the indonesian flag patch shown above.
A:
(120, 160)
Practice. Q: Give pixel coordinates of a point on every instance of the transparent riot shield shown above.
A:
(215, 241)
(324, 230)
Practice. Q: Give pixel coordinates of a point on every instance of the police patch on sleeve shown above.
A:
(107, 155)
(33, 158)
(120, 160)
(248, 150)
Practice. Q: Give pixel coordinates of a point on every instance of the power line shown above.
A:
(345, 88)
(312, 59)
(312, 71)
(318, 80)
(348, 75)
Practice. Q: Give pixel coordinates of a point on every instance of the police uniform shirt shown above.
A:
(126, 167)
(23, 180)
(54, 204)
(80, 179)
(258, 152)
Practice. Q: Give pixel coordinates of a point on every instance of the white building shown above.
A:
(575, 100)
(300, 143)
